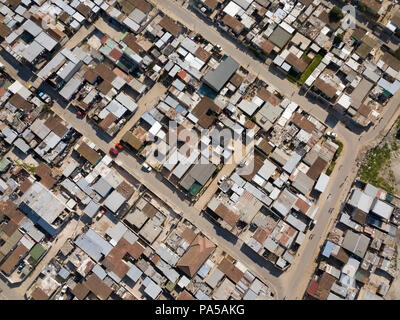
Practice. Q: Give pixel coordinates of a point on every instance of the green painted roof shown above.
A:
(4, 162)
(195, 188)
(11, 242)
(37, 251)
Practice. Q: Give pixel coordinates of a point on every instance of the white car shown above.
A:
(331, 134)
(222, 179)
(146, 167)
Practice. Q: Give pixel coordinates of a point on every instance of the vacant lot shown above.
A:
(381, 166)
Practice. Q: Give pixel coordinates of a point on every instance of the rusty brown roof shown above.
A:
(172, 27)
(44, 172)
(202, 54)
(91, 76)
(267, 46)
(227, 215)
(326, 88)
(297, 63)
(185, 295)
(17, 101)
(107, 121)
(4, 30)
(98, 287)
(80, 291)
(105, 86)
(11, 210)
(188, 234)
(10, 263)
(39, 294)
(236, 80)
(88, 153)
(149, 210)
(233, 23)
(317, 167)
(83, 9)
(230, 270)
(130, 41)
(201, 110)
(105, 72)
(302, 122)
(55, 125)
(198, 252)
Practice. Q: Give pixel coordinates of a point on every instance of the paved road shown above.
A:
(7, 293)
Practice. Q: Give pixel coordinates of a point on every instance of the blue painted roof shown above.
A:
(328, 249)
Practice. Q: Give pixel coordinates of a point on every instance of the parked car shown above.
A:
(331, 134)
(222, 179)
(113, 151)
(119, 146)
(100, 213)
(146, 167)
(21, 266)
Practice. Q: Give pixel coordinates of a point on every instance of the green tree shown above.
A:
(336, 14)
(338, 38)
(397, 53)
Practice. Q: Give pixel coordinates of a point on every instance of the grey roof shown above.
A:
(102, 187)
(296, 223)
(99, 271)
(303, 183)
(279, 37)
(371, 190)
(64, 273)
(292, 163)
(70, 87)
(31, 27)
(93, 244)
(116, 232)
(217, 78)
(114, 201)
(91, 209)
(202, 172)
(134, 273)
(247, 107)
(213, 279)
(126, 101)
(69, 169)
(83, 184)
(167, 254)
(137, 16)
(43, 202)
(69, 69)
(168, 271)
(21, 145)
(250, 295)
(360, 200)
(151, 288)
(356, 243)
(46, 41)
(32, 51)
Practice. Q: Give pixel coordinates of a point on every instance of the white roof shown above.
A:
(232, 9)
(322, 182)
(382, 209)
(127, 101)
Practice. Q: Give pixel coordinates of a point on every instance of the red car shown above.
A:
(113, 151)
(100, 213)
(119, 146)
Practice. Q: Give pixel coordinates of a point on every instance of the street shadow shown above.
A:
(261, 261)
(275, 71)
(23, 72)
